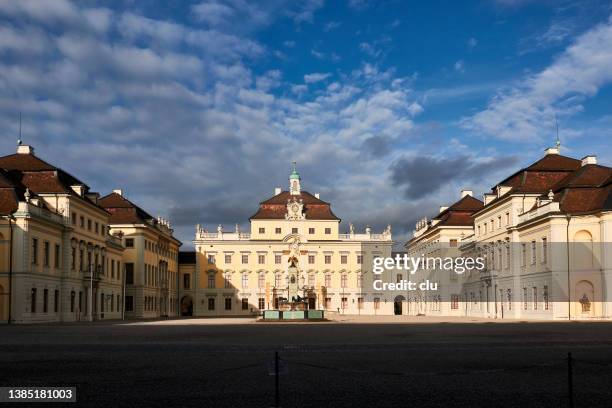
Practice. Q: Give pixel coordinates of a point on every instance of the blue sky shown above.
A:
(196, 109)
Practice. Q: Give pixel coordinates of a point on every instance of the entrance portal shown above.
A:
(397, 304)
(186, 306)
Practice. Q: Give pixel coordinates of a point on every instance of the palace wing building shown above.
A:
(238, 273)
(544, 233)
(57, 260)
(150, 258)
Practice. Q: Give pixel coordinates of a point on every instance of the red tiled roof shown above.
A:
(540, 175)
(276, 207)
(122, 210)
(460, 213)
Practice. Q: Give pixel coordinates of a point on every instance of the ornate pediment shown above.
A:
(295, 210)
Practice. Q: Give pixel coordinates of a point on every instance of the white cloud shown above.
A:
(472, 42)
(332, 25)
(527, 111)
(415, 109)
(459, 66)
(316, 77)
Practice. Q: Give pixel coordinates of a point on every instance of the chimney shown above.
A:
(467, 193)
(442, 208)
(118, 191)
(589, 160)
(25, 149)
(317, 195)
(551, 150)
(277, 191)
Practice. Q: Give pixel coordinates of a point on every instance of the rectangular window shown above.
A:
(261, 303)
(129, 242)
(535, 298)
(261, 280)
(376, 303)
(34, 251)
(533, 252)
(228, 303)
(524, 298)
(277, 259)
(327, 259)
(262, 230)
(72, 258)
(343, 280)
(211, 259)
(294, 230)
(82, 221)
(56, 299)
(344, 303)
(545, 297)
(72, 300)
(523, 254)
(228, 258)
(499, 223)
(327, 302)
(46, 253)
(245, 281)
(245, 258)
(277, 230)
(129, 303)
(113, 268)
(311, 259)
(186, 281)
(360, 281)
(97, 228)
(88, 224)
(261, 259)
(45, 300)
(245, 304)
(360, 303)
(327, 231)
(57, 256)
(33, 300)
(454, 302)
(129, 273)
(311, 231)
(311, 279)
(227, 283)
(327, 280)
(360, 259)
(452, 243)
(544, 250)
(343, 259)
(211, 303)
(507, 218)
(211, 281)
(73, 218)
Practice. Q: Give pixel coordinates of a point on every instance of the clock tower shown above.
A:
(294, 182)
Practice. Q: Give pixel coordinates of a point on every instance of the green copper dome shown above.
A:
(294, 174)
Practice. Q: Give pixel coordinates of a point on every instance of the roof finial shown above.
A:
(19, 141)
(293, 163)
(558, 143)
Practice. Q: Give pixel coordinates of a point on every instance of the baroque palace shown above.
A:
(67, 254)
(234, 273)
(545, 234)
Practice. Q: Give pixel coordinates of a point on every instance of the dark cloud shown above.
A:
(377, 146)
(424, 175)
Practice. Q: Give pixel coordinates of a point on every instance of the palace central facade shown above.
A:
(238, 273)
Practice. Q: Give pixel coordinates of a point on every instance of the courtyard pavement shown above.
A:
(352, 362)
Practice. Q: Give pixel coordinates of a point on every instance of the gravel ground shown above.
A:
(352, 362)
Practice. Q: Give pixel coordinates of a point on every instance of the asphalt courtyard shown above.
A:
(350, 362)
